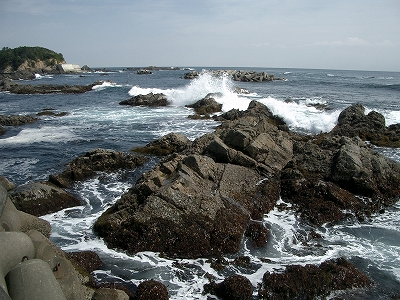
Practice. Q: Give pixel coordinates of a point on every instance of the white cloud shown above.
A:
(350, 41)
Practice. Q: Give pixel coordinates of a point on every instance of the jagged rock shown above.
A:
(311, 281)
(168, 144)
(327, 171)
(372, 127)
(41, 198)
(85, 261)
(93, 161)
(151, 290)
(257, 233)
(147, 100)
(235, 287)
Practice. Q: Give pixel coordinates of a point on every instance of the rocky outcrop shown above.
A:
(199, 202)
(143, 71)
(41, 198)
(207, 105)
(47, 88)
(168, 144)
(209, 191)
(236, 75)
(147, 100)
(16, 120)
(94, 161)
(371, 127)
(311, 281)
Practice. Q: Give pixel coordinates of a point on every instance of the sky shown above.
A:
(316, 34)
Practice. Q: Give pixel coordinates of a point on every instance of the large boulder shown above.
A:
(188, 206)
(41, 198)
(93, 161)
(147, 100)
(371, 127)
(206, 105)
(312, 281)
(330, 171)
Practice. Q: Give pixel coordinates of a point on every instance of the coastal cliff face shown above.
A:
(24, 62)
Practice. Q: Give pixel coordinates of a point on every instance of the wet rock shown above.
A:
(2, 130)
(257, 233)
(311, 281)
(168, 144)
(371, 127)
(144, 71)
(328, 170)
(235, 287)
(41, 198)
(93, 161)
(147, 100)
(50, 88)
(151, 290)
(16, 120)
(191, 75)
(85, 261)
(207, 105)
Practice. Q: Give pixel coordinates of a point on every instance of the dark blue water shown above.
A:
(95, 120)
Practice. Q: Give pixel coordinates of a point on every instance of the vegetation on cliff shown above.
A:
(12, 59)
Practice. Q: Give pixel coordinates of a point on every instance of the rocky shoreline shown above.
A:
(205, 195)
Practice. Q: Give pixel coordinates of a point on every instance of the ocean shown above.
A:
(308, 100)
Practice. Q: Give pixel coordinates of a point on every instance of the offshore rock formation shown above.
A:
(146, 100)
(237, 75)
(16, 88)
(206, 106)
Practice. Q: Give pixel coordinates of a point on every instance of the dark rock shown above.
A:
(207, 105)
(191, 75)
(235, 287)
(41, 198)
(311, 281)
(2, 130)
(16, 120)
(146, 100)
(168, 144)
(50, 88)
(257, 233)
(93, 161)
(151, 290)
(143, 71)
(85, 261)
(327, 170)
(372, 127)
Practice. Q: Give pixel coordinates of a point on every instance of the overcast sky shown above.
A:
(340, 34)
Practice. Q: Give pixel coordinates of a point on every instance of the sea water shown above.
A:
(308, 100)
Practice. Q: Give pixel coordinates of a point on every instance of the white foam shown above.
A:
(104, 85)
(38, 76)
(301, 116)
(46, 134)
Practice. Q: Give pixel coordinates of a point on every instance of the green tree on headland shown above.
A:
(13, 58)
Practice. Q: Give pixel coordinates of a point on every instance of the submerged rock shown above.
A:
(311, 281)
(16, 120)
